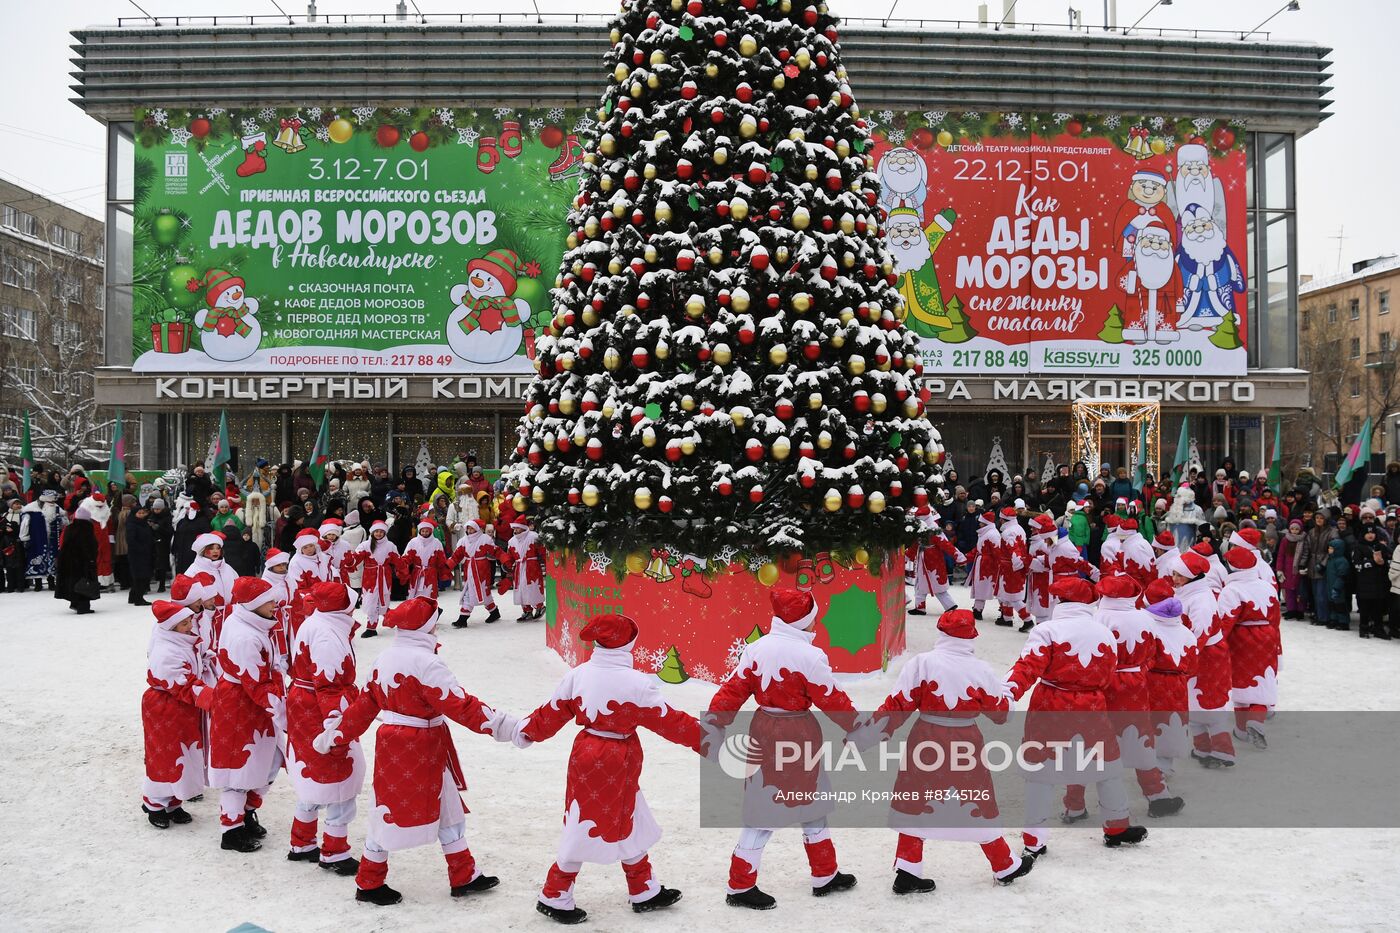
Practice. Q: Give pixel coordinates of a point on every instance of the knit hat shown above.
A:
(249, 591)
(1118, 586)
(504, 264)
(609, 631)
(215, 282)
(958, 623)
(169, 614)
(276, 558)
(417, 614)
(1072, 590)
(793, 606)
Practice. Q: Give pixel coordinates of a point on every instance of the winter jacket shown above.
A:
(1372, 580)
(183, 540)
(1122, 489)
(1312, 550)
(1338, 574)
(967, 530)
(140, 548)
(1079, 529)
(77, 558)
(230, 525)
(1395, 572)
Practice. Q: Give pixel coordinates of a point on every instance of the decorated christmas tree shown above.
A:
(725, 366)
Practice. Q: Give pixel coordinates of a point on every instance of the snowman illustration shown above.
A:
(488, 323)
(229, 330)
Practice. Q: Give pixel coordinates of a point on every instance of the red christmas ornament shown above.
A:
(828, 268)
(805, 449)
(754, 450)
(1223, 138)
(653, 20)
(783, 409)
(673, 452)
(199, 127)
(562, 445)
(812, 350)
(861, 401)
(1074, 127)
(921, 138)
(809, 16)
(721, 38)
(575, 496)
(717, 115)
(595, 449)
(639, 358)
(850, 452)
(808, 480)
(758, 174)
(419, 141)
(536, 456)
(896, 489)
(552, 137)
(685, 260)
(756, 495)
(759, 258)
(744, 92)
(626, 130)
(665, 504)
(695, 7)
(684, 168)
(920, 496)
(855, 498)
(724, 487)
(774, 300)
(746, 334)
(638, 57)
(689, 90)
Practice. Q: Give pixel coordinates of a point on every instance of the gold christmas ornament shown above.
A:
(748, 45)
(856, 364)
(811, 172)
(653, 81)
(838, 340)
(832, 501)
(590, 495)
(649, 253)
(642, 498)
(711, 70)
(688, 446)
(804, 58)
(663, 349)
(636, 562)
(611, 358)
(738, 416)
(860, 555)
(748, 126)
(687, 403)
(620, 73)
(739, 301)
(768, 574)
(801, 302)
(695, 305)
(778, 355)
(636, 90)
(590, 227)
(518, 502)
(814, 401)
(663, 212)
(715, 255)
(738, 208)
(590, 317)
(824, 440)
(649, 437)
(721, 155)
(801, 217)
(779, 81)
(722, 354)
(537, 494)
(843, 148)
(607, 145)
(658, 57)
(781, 448)
(649, 171)
(875, 502)
(878, 402)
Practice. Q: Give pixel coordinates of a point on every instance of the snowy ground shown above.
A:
(78, 853)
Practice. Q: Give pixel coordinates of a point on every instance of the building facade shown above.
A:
(52, 321)
(1348, 339)
(1274, 91)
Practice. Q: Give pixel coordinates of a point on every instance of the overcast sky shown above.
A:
(1346, 180)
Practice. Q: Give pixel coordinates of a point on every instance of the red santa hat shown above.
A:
(169, 614)
(332, 596)
(1240, 558)
(186, 589)
(471, 525)
(276, 558)
(1073, 505)
(986, 518)
(1191, 565)
(520, 525)
(98, 497)
(308, 536)
(793, 606)
(958, 623)
(1164, 541)
(1154, 170)
(417, 614)
(1072, 590)
(250, 592)
(1128, 524)
(1121, 500)
(332, 526)
(504, 264)
(609, 631)
(1246, 538)
(1202, 548)
(1159, 590)
(208, 539)
(379, 524)
(1042, 526)
(1118, 586)
(427, 523)
(1008, 513)
(1112, 521)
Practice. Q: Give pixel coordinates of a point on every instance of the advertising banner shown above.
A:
(1044, 243)
(348, 239)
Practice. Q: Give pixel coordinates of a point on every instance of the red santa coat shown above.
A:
(378, 562)
(525, 559)
(1071, 660)
(171, 716)
(303, 573)
(476, 555)
(1053, 558)
(1138, 297)
(1127, 694)
(424, 563)
(1132, 217)
(417, 775)
(931, 565)
(282, 631)
(211, 623)
(1013, 563)
(985, 557)
(1251, 606)
(1170, 669)
(1210, 688)
(948, 688)
(323, 684)
(245, 721)
(606, 817)
(1127, 552)
(786, 675)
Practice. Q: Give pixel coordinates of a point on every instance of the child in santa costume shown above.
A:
(323, 684)
(476, 554)
(197, 594)
(275, 565)
(1053, 557)
(333, 548)
(931, 563)
(1169, 669)
(1013, 564)
(606, 817)
(786, 675)
(171, 716)
(982, 575)
(1209, 690)
(1129, 702)
(424, 562)
(1250, 539)
(1126, 551)
(416, 792)
(100, 513)
(524, 561)
(1251, 604)
(1164, 551)
(1215, 567)
(946, 689)
(209, 559)
(1070, 660)
(248, 719)
(306, 568)
(378, 562)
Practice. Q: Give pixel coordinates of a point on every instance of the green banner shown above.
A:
(348, 239)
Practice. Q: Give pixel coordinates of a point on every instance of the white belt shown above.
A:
(390, 718)
(946, 720)
(607, 735)
(1253, 623)
(1129, 670)
(774, 711)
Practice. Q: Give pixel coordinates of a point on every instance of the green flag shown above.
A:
(116, 466)
(1183, 452)
(1140, 474)
(221, 453)
(321, 453)
(1276, 465)
(26, 456)
(1358, 458)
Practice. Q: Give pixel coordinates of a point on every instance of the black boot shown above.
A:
(345, 867)
(382, 896)
(1128, 837)
(310, 855)
(370, 633)
(977, 614)
(1027, 625)
(1164, 806)
(559, 915)
(250, 823)
(157, 818)
(461, 620)
(1381, 633)
(842, 882)
(238, 840)
(753, 898)
(178, 816)
(476, 885)
(906, 882)
(661, 899)
(1070, 817)
(1004, 621)
(494, 615)
(1027, 863)
(916, 611)
(1034, 851)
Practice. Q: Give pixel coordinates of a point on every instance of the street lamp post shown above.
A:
(1292, 6)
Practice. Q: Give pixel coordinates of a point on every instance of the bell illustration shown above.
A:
(659, 570)
(289, 136)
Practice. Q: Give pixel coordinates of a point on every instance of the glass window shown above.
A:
(1385, 340)
(1355, 386)
(1278, 150)
(1354, 309)
(1307, 319)
(968, 439)
(1331, 314)
(1356, 348)
(1383, 301)
(118, 284)
(1279, 226)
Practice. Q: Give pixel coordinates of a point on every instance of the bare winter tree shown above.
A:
(51, 377)
(1330, 371)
